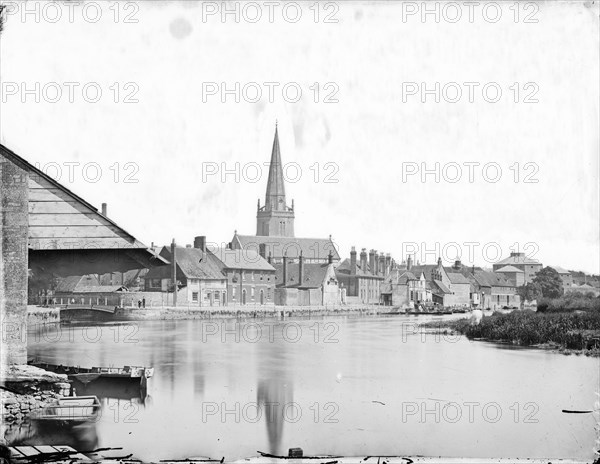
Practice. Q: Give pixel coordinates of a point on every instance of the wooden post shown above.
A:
(174, 271)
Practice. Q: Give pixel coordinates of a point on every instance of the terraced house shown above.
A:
(361, 280)
(495, 291)
(218, 277)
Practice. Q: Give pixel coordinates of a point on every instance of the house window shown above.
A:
(195, 297)
(243, 275)
(154, 283)
(233, 293)
(252, 276)
(252, 292)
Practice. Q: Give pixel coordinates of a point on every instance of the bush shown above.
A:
(569, 330)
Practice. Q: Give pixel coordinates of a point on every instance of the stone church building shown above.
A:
(275, 236)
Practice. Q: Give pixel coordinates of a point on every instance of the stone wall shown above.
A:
(14, 232)
(28, 388)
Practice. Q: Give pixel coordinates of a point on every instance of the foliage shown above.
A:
(570, 302)
(578, 331)
(530, 291)
(549, 283)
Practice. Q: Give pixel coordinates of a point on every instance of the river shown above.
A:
(343, 386)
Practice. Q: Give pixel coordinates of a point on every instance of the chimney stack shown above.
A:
(262, 250)
(269, 258)
(408, 263)
(439, 261)
(301, 269)
(285, 265)
(330, 257)
(174, 271)
(353, 261)
(381, 267)
(388, 263)
(363, 259)
(372, 262)
(200, 242)
(457, 264)
(104, 209)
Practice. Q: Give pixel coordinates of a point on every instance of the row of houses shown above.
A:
(457, 286)
(274, 267)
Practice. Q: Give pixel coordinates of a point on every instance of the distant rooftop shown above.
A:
(517, 258)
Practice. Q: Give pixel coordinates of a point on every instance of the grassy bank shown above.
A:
(570, 332)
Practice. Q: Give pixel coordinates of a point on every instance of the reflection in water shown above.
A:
(107, 388)
(274, 395)
(353, 385)
(81, 436)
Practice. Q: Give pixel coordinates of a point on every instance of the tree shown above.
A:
(549, 283)
(529, 292)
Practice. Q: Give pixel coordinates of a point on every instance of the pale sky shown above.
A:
(368, 57)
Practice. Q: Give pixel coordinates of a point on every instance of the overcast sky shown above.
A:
(368, 121)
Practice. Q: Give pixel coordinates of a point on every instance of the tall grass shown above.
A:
(570, 330)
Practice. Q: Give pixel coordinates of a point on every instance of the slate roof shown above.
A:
(68, 284)
(438, 287)
(510, 269)
(85, 284)
(314, 275)
(242, 259)
(312, 248)
(101, 289)
(193, 263)
(492, 279)
(344, 268)
(560, 270)
(517, 258)
(456, 278)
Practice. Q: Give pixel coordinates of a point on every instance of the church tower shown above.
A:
(275, 218)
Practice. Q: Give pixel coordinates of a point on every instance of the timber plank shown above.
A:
(88, 231)
(67, 219)
(58, 207)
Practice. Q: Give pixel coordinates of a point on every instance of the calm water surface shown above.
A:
(348, 386)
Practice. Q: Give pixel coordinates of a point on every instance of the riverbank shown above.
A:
(567, 332)
(26, 389)
(177, 313)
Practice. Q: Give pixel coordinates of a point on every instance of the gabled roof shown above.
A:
(101, 289)
(69, 284)
(438, 287)
(192, 263)
(277, 247)
(517, 258)
(456, 278)
(510, 269)
(314, 275)
(492, 279)
(84, 284)
(84, 240)
(241, 259)
(561, 270)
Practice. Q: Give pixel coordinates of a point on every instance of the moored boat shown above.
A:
(70, 408)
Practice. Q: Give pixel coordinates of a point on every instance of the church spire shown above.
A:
(275, 218)
(275, 196)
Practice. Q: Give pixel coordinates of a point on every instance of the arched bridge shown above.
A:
(86, 312)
